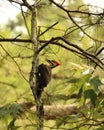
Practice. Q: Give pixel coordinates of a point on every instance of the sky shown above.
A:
(95, 2)
(8, 11)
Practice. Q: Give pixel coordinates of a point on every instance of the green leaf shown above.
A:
(4, 111)
(15, 109)
(80, 92)
(62, 121)
(80, 81)
(74, 80)
(59, 122)
(100, 128)
(90, 94)
(83, 80)
(96, 82)
(12, 126)
(9, 109)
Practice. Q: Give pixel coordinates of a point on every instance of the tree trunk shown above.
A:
(33, 76)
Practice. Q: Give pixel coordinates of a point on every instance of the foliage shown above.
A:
(90, 105)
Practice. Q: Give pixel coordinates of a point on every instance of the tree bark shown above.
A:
(52, 112)
(33, 74)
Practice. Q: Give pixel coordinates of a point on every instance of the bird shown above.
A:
(44, 75)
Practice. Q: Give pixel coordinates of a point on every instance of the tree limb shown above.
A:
(55, 111)
(76, 50)
(15, 40)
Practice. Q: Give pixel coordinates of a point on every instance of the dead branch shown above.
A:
(56, 111)
(50, 111)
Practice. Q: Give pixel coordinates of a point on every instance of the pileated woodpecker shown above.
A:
(44, 75)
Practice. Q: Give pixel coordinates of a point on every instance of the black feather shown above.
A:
(43, 78)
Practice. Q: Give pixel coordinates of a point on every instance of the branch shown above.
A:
(8, 84)
(23, 3)
(68, 12)
(100, 51)
(80, 49)
(76, 50)
(33, 80)
(15, 1)
(82, 54)
(77, 11)
(15, 40)
(25, 22)
(14, 62)
(52, 41)
(48, 28)
(46, 44)
(50, 111)
(55, 111)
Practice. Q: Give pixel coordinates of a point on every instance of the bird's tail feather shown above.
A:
(39, 92)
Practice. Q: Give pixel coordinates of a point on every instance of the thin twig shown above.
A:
(25, 21)
(14, 62)
(68, 12)
(48, 28)
(8, 84)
